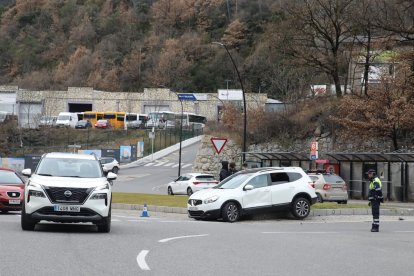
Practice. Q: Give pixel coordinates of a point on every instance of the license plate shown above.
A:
(191, 208)
(66, 208)
(14, 201)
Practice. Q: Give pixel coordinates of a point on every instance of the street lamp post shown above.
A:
(244, 99)
(181, 132)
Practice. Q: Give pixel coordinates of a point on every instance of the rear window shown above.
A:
(332, 178)
(205, 177)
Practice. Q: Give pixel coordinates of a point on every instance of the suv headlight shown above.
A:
(102, 187)
(211, 199)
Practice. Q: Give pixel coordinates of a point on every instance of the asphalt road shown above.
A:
(153, 177)
(172, 244)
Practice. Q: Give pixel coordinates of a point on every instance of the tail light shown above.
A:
(345, 188)
(327, 186)
(312, 184)
(197, 182)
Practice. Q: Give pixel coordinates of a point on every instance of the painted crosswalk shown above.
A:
(168, 164)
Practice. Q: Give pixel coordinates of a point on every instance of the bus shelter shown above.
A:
(395, 169)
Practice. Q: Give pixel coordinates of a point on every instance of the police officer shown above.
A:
(375, 198)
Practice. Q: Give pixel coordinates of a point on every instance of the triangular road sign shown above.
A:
(218, 143)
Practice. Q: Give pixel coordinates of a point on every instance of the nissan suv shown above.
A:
(69, 188)
(262, 189)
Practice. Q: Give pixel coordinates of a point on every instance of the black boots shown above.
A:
(375, 228)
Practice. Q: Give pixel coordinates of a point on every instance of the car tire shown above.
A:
(26, 223)
(189, 191)
(170, 191)
(343, 202)
(319, 198)
(105, 225)
(230, 212)
(115, 170)
(300, 208)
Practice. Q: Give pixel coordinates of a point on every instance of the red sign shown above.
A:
(218, 143)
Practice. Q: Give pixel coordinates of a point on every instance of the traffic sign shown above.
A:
(218, 143)
(186, 97)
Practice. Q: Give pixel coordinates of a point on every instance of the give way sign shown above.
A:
(218, 143)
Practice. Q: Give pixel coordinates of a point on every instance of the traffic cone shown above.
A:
(145, 212)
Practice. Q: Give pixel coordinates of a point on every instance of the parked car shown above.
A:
(83, 124)
(48, 121)
(255, 190)
(67, 119)
(191, 183)
(329, 187)
(68, 187)
(103, 124)
(109, 164)
(136, 124)
(11, 191)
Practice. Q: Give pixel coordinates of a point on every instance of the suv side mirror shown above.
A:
(27, 172)
(248, 187)
(111, 176)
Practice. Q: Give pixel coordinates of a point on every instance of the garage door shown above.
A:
(29, 114)
(151, 108)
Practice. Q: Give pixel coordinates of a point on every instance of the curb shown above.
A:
(314, 212)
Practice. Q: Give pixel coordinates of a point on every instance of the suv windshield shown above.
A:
(66, 167)
(233, 181)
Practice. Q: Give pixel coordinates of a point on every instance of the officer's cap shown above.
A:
(371, 171)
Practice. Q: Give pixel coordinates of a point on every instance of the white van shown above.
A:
(67, 119)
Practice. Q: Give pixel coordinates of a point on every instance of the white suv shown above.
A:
(69, 188)
(285, 188)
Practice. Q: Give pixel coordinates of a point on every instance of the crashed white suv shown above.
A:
(68, 187)
(263, 189)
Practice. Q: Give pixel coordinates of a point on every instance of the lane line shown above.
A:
(168, 164)
(187, 165)
(300, 232)
(182, 237)
(175, 166)
(159, 164)
(141, 260)
(149, 164)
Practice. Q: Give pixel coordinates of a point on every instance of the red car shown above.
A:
(103, 124)
(11, 191)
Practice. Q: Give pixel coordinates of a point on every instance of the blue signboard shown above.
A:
(186, 97)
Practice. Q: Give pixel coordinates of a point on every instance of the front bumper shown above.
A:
(200, 214)
(48, 214)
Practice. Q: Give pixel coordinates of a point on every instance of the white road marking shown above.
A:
(149, 164)
(404, 231)
(137, 220)
(182, 237)
(157, 188)
(159, 164)
(187, 165)
(175, 166)
(300, 232)
(141, 260)
(169, 164)
(115, 220)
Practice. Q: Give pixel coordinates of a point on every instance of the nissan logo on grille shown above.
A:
(68, 193)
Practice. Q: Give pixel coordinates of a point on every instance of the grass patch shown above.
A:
(334, 205)
(181, 201)
(150, 199)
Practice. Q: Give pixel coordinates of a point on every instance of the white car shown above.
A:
(109, 164)
(191, 183)
(329, 187)
(284, 188)
(67, 187)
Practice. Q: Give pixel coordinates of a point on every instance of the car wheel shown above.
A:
(26, 223)
(189, 191)
(170, 191)
(300, 208)
(319, 199)
(105, 226)
(230, 212)
(343, 202)
(115, 170)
